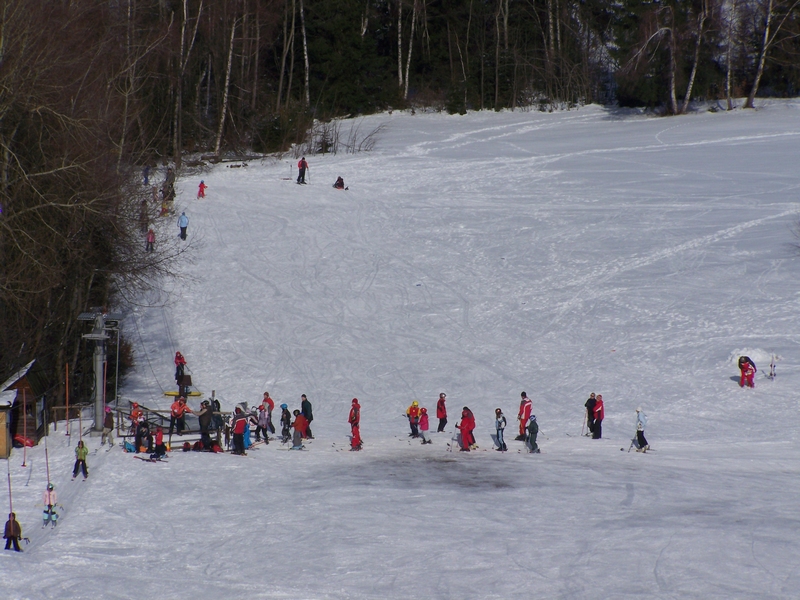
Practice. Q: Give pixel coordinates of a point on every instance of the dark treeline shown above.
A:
(92, 90)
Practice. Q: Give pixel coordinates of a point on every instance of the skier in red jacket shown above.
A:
(237, 427)
(525, 406)
(467, 426)
(201, 190)
(599, 414)
(748, 370)
(300, 428)
(441, 412)
(302, 166)
(355, 420)
(180, 365)
(423, 426)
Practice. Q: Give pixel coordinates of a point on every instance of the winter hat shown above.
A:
(296, 412)
(201, 181)
(639, 409)
(284, 406)
(355, 400)
(108, 409)
(423, 410)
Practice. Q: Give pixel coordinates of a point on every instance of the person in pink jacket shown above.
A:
(49, 499)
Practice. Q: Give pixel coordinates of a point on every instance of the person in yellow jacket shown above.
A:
(81, 452)
(413, 419)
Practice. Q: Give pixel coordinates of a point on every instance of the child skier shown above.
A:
(180, 366)
(262, 424)
(641, 422)
(286, 423)
(300, 424)
(201, 190)
(412, 412)
(237, 427)
(355, 420)
(467, 426)
(441, 412)
(302, 166)
(747, 369)
(108, 428)
(533, 431)
(49, 499)
(423, 425)
(160, 451)
(150, 240)
(81, 451)
(500, 425)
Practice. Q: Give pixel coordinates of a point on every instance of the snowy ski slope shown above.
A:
(478, 255)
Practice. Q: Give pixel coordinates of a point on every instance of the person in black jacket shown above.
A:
(205, 416)
(286, 423)
(590, 413)
(305, 409)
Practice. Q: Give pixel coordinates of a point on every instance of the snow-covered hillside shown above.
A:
(478, 255)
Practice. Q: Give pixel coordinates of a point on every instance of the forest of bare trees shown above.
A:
(91, 91)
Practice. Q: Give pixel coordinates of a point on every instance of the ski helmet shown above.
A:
(533, 418)
(442, 395)
(355, 400)
(638, 409)
(284, 406)
(415, 403)
(423, 410)
(108, 409)
(524, 395)
(50, 486)
(497, 411)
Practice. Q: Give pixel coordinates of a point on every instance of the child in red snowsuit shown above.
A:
(355, 419)
(748, 370)
(201, 190)
(467, 426)
(423, 425)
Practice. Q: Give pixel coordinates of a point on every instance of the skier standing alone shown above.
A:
(302, 166)
(747, 370)
(441, 412)
(201, 190)
(641, 422)
(183, 223)
(500, 425)
(355, 420)
(525, 406)
(81, 452)
(49, 499)
(305, 408)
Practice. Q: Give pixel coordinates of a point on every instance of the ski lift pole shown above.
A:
(47, 460)
(10, 502)
(66, 415)
(24, 427)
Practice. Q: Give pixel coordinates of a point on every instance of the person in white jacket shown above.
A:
(641, 422)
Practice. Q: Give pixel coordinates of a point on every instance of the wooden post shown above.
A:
(67, 397)
(24, 427)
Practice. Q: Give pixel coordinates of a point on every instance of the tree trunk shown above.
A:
(673, 97)
(701, 19)
(305, 53)
(761, 59)
(729, 53)
(224, 110)
(400, 43)
(410, 47)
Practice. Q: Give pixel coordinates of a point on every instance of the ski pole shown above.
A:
(584, 423)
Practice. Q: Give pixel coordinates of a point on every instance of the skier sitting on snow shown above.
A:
(747, 370)
(160, 451)
(339, 185)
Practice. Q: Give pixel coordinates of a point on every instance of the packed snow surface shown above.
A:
(481, 255)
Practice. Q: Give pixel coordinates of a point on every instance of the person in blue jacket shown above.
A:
(183, 223)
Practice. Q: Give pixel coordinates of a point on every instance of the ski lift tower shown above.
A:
(103, 322)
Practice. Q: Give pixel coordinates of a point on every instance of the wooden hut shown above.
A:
(22, 408)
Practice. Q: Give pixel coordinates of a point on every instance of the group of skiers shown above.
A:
(418, 422)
